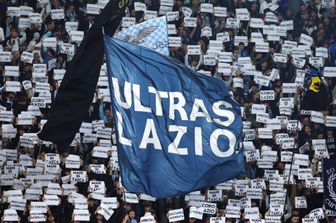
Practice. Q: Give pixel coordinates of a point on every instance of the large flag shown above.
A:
(80, 80)
(329, 185)
(177, 130)
(151, 34)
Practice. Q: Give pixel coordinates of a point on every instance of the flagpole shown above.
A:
(291, 165)
(324, 197)
(288, 181)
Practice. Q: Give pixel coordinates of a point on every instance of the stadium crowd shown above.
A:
(267, 52)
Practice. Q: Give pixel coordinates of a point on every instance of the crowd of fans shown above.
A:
(40, 183)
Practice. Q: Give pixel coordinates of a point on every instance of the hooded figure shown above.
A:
(315, 96)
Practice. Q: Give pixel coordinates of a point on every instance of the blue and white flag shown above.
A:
(177, 130)
(329, 185)
(152, 34)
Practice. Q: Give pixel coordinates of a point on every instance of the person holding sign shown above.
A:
(15, 41)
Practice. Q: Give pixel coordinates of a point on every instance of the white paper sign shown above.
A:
(10, 215)
(317, 117)
(258, 109)
(190, 22)
(81, 215)
(194, 50)
(256, 23)
(24, 23)
(171, 16)
(240, 39)
(68, 48)
(76, 36)
(267, 95)
(288, 24)
(207, 7)
(5, 56)
(209, 208)
(35, 18)
(72, 161)
(196, 213)
(139, 6)
(220, 11)
(232, 212)
(214, 195)
(329, 72)
(12, 86)
(149, 14)
(280, 57)
(262, 80)
(217, 220)
(12, 71)
(128, 22)
(316, 61)
(71, 26)
(27, 57)
(300, 202)
(265, 133)
(93, 9)
(305, 39)
(38, 101)
(131, 198)
(330, 121)
(49, 42)
(321, 52)
(174, 41)
(13, 11)
(57, 14)
(252, 213)
(176, 215)
(186, 11)
(231, 23)
(289, 88)
(317, 213)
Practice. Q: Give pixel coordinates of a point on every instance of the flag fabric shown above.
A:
(152, 34)
(77, 88)
(329, 184)
(177, 130)
(315, 96)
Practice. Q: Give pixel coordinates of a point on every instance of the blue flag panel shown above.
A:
(177, 130)
(329, 185)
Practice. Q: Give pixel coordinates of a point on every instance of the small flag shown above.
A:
(177, 130)
(329, 184)
(315, 96)
(152, 34)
